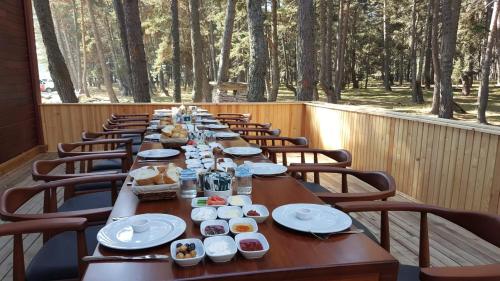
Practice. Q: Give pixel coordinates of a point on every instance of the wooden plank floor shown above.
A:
(450, 244)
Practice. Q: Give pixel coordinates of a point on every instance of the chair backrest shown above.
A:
(233, 124)
(485, 226)
(256, 131)
(42, 169)
(342, 157)
(277, 141)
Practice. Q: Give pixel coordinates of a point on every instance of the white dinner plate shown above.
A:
(153, 137)
(323, 219)
(162, 229)
(242, 150)
(267, 169)
(226, 135)
(216, 126)
(158, 153)
(203, 114)
(209, 121)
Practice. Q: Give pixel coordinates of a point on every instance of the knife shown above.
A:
(152, 257)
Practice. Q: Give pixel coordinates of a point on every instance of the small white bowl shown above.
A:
(244, 198)
(193, 162)
(200, 252)
(224, 212)
(249, 221)
(216, 257)
(261, 209)
(140, 225)
(212, 214)
(304, 214)
(223, 223)
(252, 254)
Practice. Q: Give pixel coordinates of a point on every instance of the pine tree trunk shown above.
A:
(197, 51)
(223, 71)
(275, 68)
(435, 56)
(120, 18)
(77, 47)
(416, 88)
(100, 55)
(258, 52)
(83, 28)
(305, 51)
(176, 58)
(213, 59)
(483, 93)
(428, 48)
(450, 15)
(341, 44)
(387, 57)
(325, 51)
(57, 67)
(138, 63)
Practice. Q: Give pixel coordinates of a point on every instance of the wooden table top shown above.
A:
(292, 255)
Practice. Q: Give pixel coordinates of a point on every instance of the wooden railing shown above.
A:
(439, 162)
(65, 122)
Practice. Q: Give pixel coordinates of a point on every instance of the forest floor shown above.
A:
(399, 100)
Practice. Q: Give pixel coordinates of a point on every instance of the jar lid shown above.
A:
(188, 173)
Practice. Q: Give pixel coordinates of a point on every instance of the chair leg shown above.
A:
(385, 237)
(18, 255)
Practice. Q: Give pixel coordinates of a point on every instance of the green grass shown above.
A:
(399, 100)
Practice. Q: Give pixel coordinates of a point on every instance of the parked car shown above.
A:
(47, 85)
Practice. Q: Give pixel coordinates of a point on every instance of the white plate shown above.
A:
(226, 135)
(216, 126)
(203, 114)
(158, 153)
(163, 229)
(267, 169)
(213, 121)
(243, 150)
(153, 137)
(324, 219)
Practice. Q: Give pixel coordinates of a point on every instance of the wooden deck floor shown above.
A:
(450, 244)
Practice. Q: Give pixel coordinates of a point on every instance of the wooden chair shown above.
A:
(101, 146)
(246, 116)
(233, 124)
(342, 158)
(43, 170)
(266, 142)
(126, 125)
(60, 256)
(137, 137)
(256, 131)
(137, 117)
(485, 226)
(57, 225)
(126, 131)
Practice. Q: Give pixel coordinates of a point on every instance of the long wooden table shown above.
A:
(292, 255)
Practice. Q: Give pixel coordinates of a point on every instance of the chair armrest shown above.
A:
(91, 215)
(108, 141)
(466, 273)
(374, 206)
(128, 131)
(334, 198)
(45, 225)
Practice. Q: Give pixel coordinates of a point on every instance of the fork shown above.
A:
(152, 257)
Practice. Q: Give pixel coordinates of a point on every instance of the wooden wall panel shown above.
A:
(19, 89)
(65, 122)
(437, 162)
